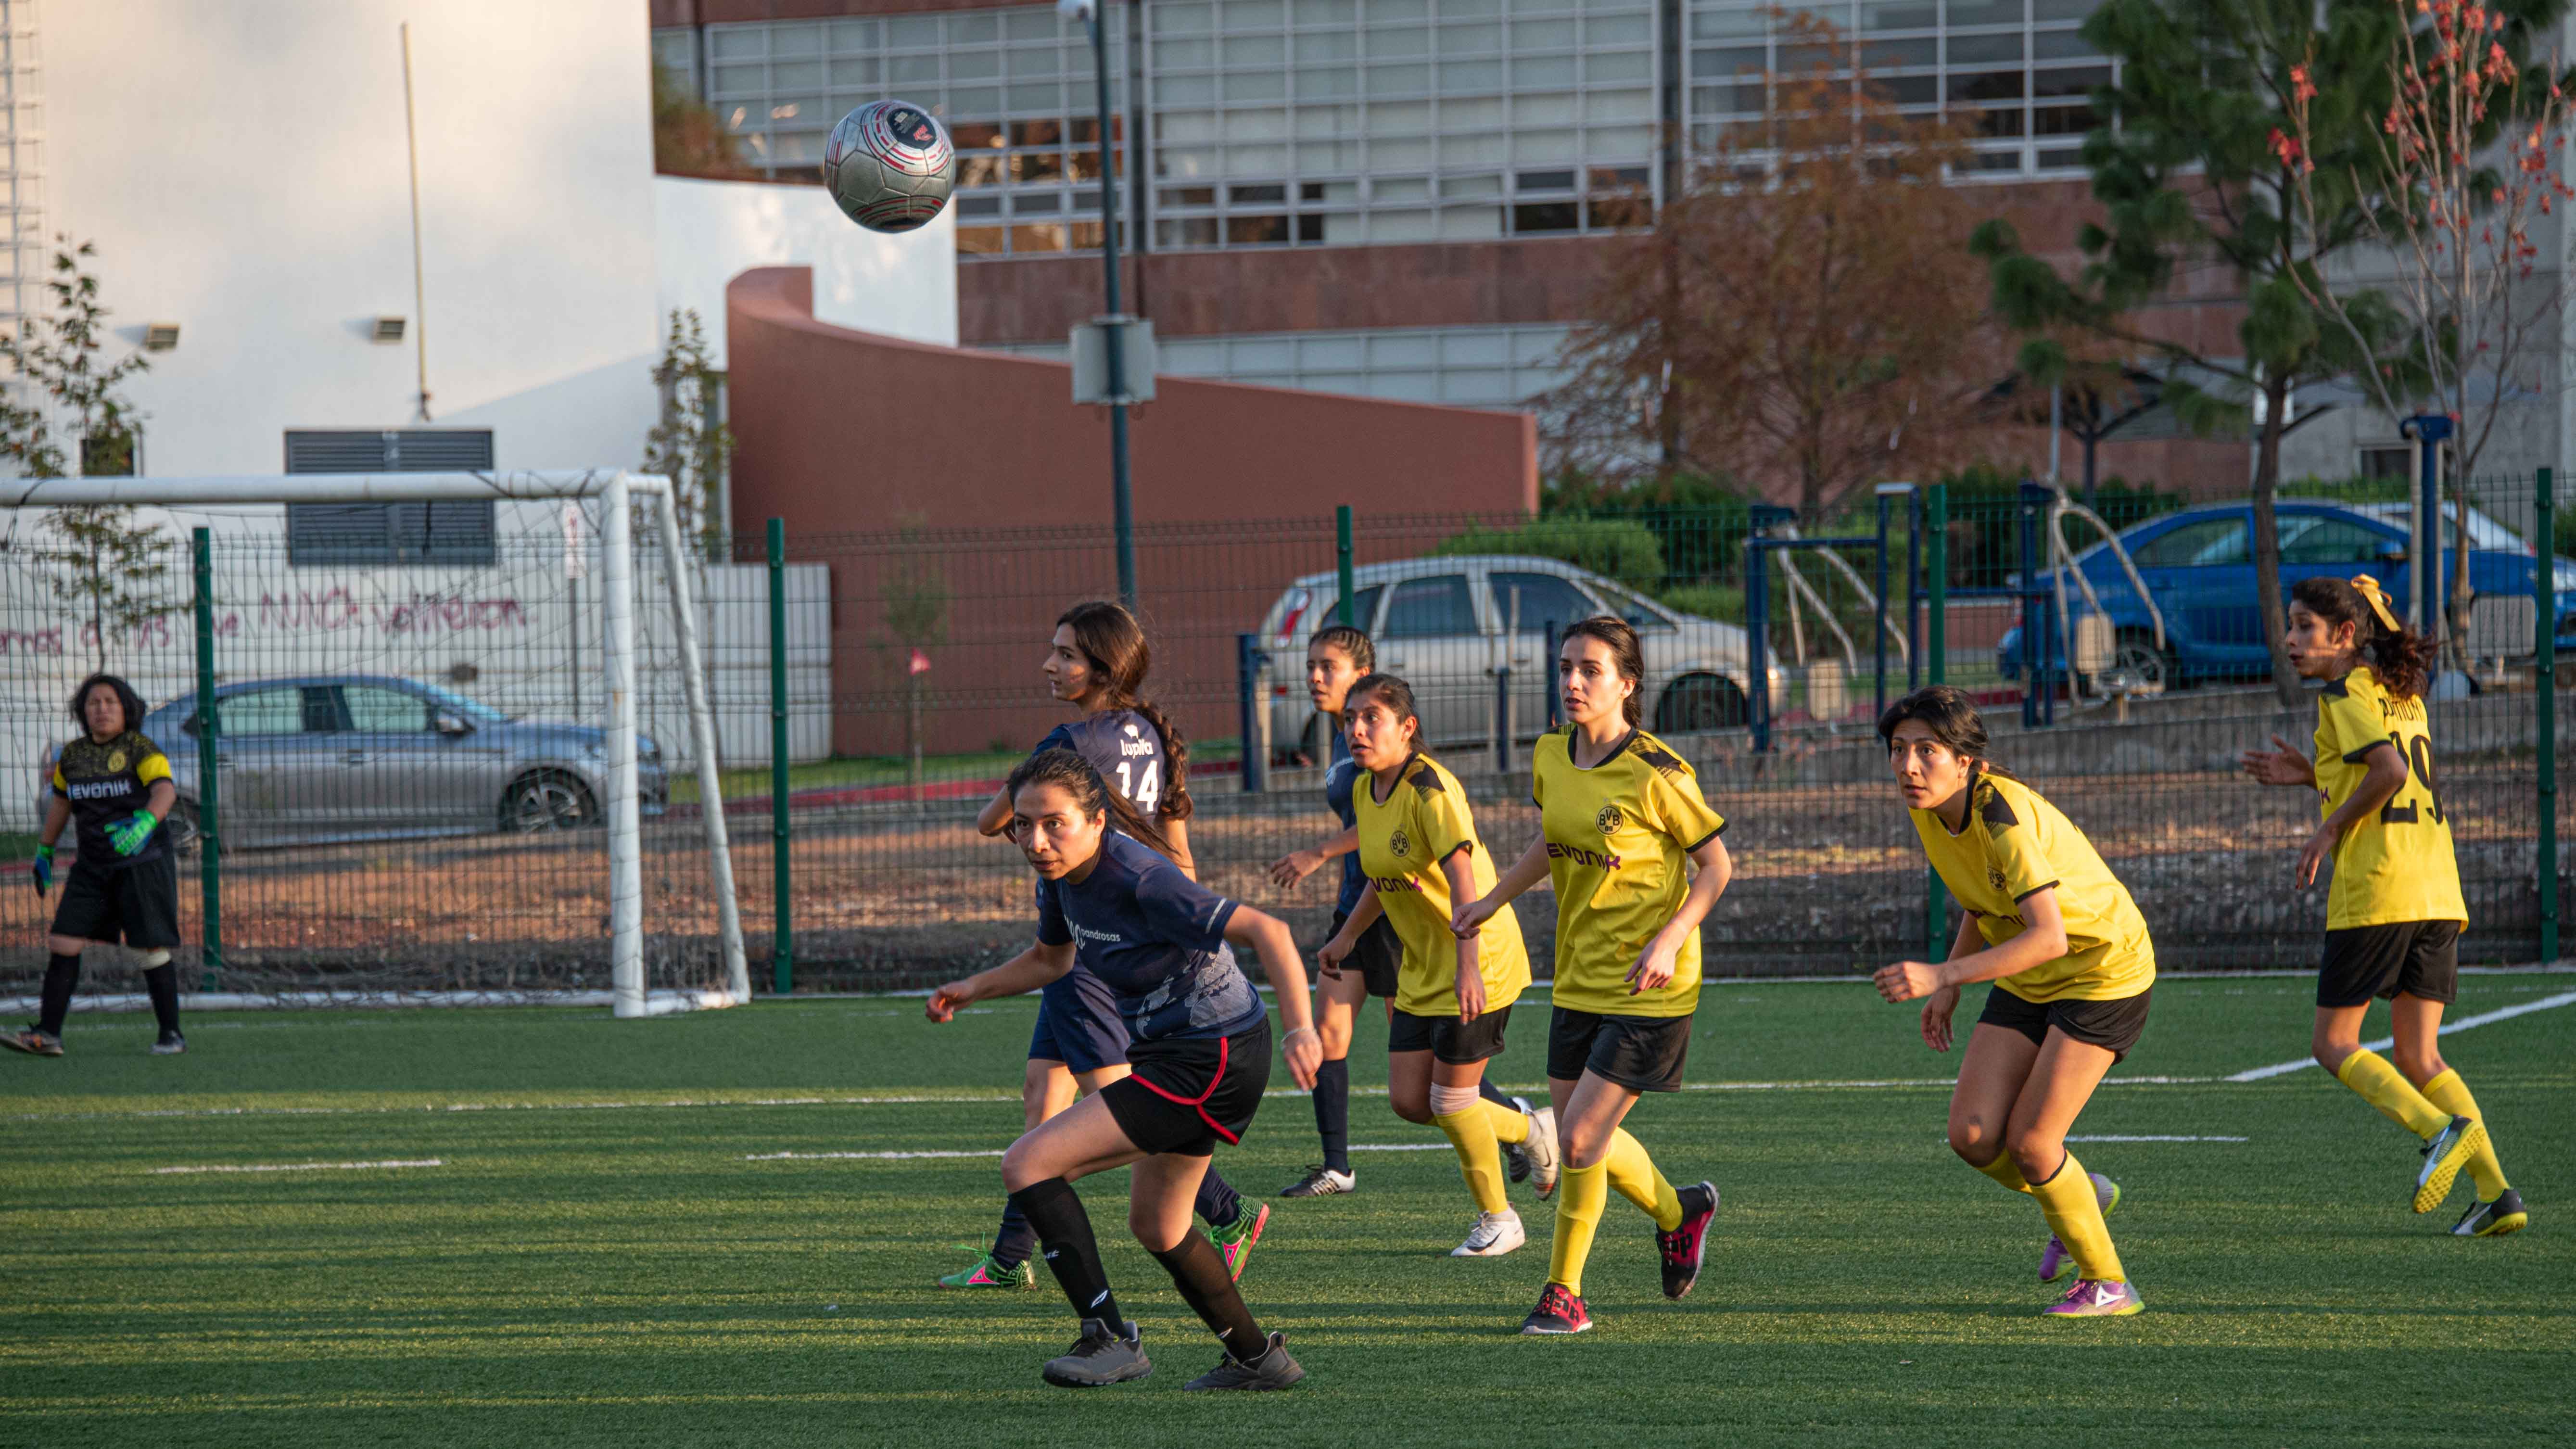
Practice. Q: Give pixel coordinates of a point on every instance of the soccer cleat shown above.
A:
(1099, 1358)
(2444, 1156)
(1493, 1235)
(1541, 1146)
(2054, 1261)
(1236, 1240)
(33, 1042)
(1557, 1312)
(1273, 1370)
(2493, 1219)
(1322, 1182)
(985, 1273)
(2094, 1298)
(171, 1044)
(1686, 1246)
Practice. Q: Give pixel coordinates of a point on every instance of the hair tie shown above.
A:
(2368, 588)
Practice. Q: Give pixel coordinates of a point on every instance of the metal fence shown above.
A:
(371, 843)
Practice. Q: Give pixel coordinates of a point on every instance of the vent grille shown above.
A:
(458, 532)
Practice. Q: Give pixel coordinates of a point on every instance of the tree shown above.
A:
(689, 138)
(2189, 175)
(2461, 167)
(1803, 314)
(691, 444)
(102, 561)
(913, 591)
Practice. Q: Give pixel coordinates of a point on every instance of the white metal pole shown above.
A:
(702, 742)
(419, 282)
(625, 835)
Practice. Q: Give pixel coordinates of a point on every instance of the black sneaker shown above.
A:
(1558, 1311)
(1099, 1358)
(171, 1044)
(1273, 1370)
(1322, 1182)
(2493, 1219)
(1685, 1247)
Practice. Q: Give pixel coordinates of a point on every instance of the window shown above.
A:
(1431, 608)
(2397, 463)
(2208, 542)
(261, 712)
(2316, 538)
(378, 710)
(440, 532)
(1545, 598)
(1644, 617)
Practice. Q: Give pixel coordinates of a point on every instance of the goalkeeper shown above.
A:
(114, 783)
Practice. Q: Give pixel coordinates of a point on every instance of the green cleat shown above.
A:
(1235, 1240)
(985, 1273)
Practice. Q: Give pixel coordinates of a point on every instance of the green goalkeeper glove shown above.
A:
(43, 869)
(129, 834)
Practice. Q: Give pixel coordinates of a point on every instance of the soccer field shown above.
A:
(547, 1227)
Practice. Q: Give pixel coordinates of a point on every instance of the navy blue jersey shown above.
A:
(1339, 781)
(1156, 938)
(1125, 748)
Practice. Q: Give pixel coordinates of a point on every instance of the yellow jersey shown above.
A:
(1404, 840)
(1619, 838)
(2395, 865)
(2016, 844)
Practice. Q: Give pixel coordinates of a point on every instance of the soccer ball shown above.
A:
(889, 166)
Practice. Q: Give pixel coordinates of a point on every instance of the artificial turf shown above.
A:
(608, 1253)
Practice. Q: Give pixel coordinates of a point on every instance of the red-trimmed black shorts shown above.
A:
(1190, 1094)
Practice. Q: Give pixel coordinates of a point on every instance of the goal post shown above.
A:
(616, 491)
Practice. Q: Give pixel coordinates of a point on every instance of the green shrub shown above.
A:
(1708, 601)
(1616, 547)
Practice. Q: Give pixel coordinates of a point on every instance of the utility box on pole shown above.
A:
(1091, 360)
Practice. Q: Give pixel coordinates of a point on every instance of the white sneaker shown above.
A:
(1493, 1235)
(1541, 1146)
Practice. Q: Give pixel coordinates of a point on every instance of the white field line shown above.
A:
(2152, 1137)
(305, 1166)
(2483, 1018)
(868, 1156)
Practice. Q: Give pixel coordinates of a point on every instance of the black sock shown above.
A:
(1217, 1201)
(162, 984)
(1072, 1254)
(1333, 1112)
(62, 973)
(1013, 1244)
(1198, 1270)
(1491, 1093)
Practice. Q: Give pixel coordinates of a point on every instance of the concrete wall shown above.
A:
(706, 233)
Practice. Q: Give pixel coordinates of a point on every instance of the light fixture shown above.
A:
(160, 336)
(389, 329)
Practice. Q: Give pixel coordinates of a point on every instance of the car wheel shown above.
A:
(1697, 703)
(2134, 654)
(547, 800)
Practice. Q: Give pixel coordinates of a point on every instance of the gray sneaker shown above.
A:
(1541, 1146)
(1100, 1358)
(33, 1042)
(171, 1044)
(2444, 1156)
(1273, 1370)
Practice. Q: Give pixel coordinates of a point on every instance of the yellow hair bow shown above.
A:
(2368, 588)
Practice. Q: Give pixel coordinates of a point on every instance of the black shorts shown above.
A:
(1446, 1038)
(2419, 958)
(1078, 1024)
(2113, 1026)
(1641, 1053)
(137, 904)
(1376, 955)
(1188, 1095)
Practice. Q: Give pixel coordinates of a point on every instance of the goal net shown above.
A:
(459, 744)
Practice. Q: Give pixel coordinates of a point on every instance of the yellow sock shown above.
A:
(1510, 1123)
(1633, 1173)
(1582, 1193)
(2075, 1215)
(1480, 1158)
(2384, 1087)
(2006, 1171)
(2451, 1094)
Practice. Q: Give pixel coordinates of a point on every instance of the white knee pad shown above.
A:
(152, 959)
(1450, 1101)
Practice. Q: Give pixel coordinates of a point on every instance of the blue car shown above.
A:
(2198, 565)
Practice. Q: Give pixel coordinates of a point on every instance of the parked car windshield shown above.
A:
(461, 707)
(1543, 597)
(2196, 545)
(1633, 607)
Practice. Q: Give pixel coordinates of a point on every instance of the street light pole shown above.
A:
(1114, 333)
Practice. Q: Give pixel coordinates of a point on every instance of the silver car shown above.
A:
(1446, 626)
(320, 758)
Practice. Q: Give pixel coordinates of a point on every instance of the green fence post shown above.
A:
(210, 868)
(2544, 611)
(1342, 557)
(782, 950)
(1936, 661)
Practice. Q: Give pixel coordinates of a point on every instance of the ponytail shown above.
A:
(2400, 658)
(1114, 643)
